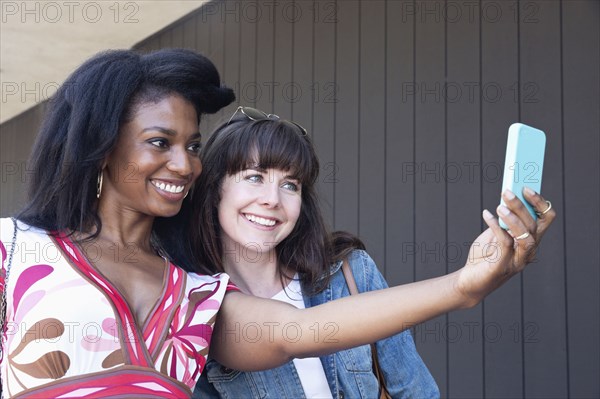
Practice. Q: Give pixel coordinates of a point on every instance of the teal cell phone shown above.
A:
(524, 163)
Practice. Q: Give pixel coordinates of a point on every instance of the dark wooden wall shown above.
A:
(409, 103)
(16, 139)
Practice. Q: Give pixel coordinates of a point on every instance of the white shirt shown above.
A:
(310, 370)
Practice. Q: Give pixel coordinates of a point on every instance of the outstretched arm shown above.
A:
(253, 333)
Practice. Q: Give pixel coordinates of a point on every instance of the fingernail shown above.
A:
(529, 191)
(509, 194)
(503, 210)
(487, 214)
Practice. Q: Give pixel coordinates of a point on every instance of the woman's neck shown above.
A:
(261, 279)
(126, 228)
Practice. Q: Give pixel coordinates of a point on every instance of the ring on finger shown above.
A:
(547, 209)
(522, 236)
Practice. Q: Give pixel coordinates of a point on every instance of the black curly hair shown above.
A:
(83, 121)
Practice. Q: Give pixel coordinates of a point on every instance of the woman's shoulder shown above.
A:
(365, 271)
(359, 258)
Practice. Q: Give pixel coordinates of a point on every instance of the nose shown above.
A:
(180, 162)
(270, 195)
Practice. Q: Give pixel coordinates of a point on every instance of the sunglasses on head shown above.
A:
(257, 115)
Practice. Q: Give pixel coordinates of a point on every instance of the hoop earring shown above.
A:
(99, 183)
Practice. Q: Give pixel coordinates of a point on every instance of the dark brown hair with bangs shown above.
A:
(268, 143)
(265, 144)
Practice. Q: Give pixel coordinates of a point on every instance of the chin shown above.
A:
(167, 213)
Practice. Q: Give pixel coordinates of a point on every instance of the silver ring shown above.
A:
(547, 209)
(522, 236)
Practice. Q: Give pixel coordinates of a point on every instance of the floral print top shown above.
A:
(70, 333)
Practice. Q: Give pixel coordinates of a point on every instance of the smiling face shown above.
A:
(155, 160)
(258, 209)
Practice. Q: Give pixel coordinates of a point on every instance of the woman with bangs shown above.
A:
(257, 218)
(260, 222)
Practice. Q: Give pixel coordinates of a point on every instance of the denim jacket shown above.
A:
(349, 372)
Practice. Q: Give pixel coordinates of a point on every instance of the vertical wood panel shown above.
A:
(217, 49)
(265, 41)
(247, 89)
(430, 194)
(202, 18)
(16, 138)
(323, 103)
(503, 357)
(230, 74)
(302, 67)
(216, 25)
(202, 31)
(165, 39)
(372, 128)
(189, 33)
(345, 172)
(463, 184)
(543, 332)
(283, 52)
(177, 36)
(399, 184)
(581, 85)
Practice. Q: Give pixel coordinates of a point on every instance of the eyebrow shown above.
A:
(292, 177)
(264, 170)
(169, 132)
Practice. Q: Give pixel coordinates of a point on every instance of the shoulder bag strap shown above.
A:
(384, 394)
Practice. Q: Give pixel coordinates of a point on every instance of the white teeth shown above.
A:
(171, 188)
(259, 220)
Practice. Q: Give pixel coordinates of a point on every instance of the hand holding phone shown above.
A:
(524, 163)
